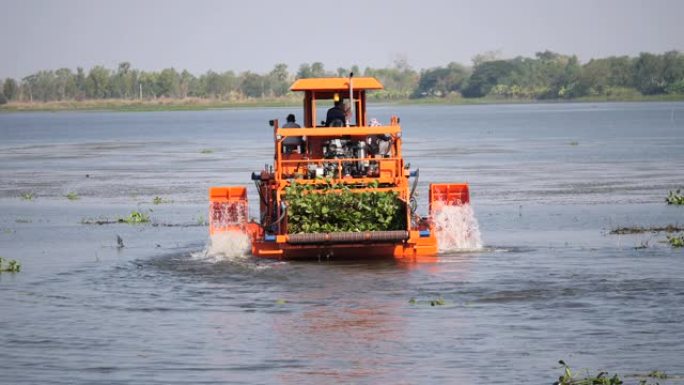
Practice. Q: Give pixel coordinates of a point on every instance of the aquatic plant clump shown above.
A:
(657, 374)
(12, 266)
(568, 378)
(136, 217)
(72, 196)
(336, 208)
(433, 302)
(159, 200)
(676, 241)
(675, 198)
(28, 196)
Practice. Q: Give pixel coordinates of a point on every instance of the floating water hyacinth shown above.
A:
(72, 196)
(12, 266)
(676, 241)
(603, 378)
(136, 217)
(27, 196)
(675, 198)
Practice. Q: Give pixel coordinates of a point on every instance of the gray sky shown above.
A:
(255, 35)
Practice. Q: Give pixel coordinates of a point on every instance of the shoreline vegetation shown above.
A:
(548, 77)
(198, 104)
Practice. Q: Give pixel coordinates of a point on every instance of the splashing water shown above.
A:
(226, 246)
(457, 228)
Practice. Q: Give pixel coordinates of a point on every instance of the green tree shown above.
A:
(485, 57)
(168, 83)
(42, 86)
(123, 82)
(185, 83)
(65, 84)
(441, 81)
(279, 79)
(567, 84)
(648, 74)
(80, 82)
(3, 98)
(673, 69)
(344, 72)
(485, 76)
(10, 88)
(212, 84)
(27, 86)
(621, 71)
(526, 79)
(400, 80)
(215, 85)
(229, 84)
(252, 85)
(97, 83)
(149, 83)
(314, 70)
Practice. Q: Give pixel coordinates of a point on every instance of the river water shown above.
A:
(548, 184)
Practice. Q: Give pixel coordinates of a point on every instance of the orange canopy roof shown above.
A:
(335, 84)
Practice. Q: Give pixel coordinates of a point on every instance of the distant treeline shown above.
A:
(547, 75)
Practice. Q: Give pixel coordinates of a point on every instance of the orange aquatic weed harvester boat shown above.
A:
(352, 156)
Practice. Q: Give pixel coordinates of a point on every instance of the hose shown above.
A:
(284, 209)
(415, 184)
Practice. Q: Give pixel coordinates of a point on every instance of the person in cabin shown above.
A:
(291, 122)
(292, 143)
(336, 116)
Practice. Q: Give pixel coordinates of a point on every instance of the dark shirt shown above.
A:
(335, 113)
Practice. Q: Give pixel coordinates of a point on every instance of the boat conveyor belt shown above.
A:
(348, 237)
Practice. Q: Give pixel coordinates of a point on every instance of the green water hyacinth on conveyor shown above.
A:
(336, 208)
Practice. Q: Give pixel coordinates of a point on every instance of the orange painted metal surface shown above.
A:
(335, 84)
(309, 162)
(228, 209)
(450, 194)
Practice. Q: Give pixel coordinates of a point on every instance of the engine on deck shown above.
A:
(359, 152)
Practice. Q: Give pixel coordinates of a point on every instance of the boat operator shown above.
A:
(336, 115)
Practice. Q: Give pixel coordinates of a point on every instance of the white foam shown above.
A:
(226, 246)
(457, 228)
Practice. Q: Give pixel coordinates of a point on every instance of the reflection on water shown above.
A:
(547, 183)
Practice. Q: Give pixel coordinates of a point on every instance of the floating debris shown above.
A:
(432, 302)
(676, 240)
(641, 230)
(602, 378)
(28, 196)
(72, 196)
(675, 198)
(13, 266)
(136, 217)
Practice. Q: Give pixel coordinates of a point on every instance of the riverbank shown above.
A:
(189, 104)
(162, 104)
